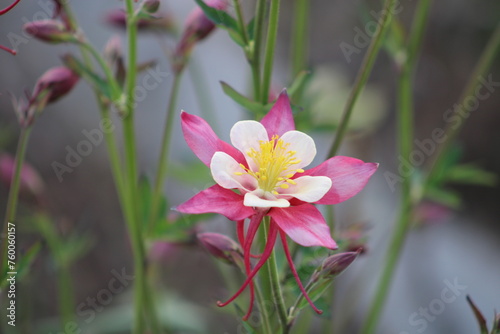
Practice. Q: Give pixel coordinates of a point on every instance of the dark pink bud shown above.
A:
(334, 265)
(118, 19)
(197, 27)
(222, 247)
(31, 182)
(49, 31)
(56, 82)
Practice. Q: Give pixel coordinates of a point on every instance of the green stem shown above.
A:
(131, 172)
(363, 74)
(405, 136)
(203, 96)
(66, 299)
(260, 11)
(272, 33)
(161, 170)
(11, 210)
(241, 21)
(484, 63)
(263, 310)
(300, 36)
(294, 309)
(272, 275)
(115, 88)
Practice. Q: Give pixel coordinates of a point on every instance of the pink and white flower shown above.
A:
(262, 174)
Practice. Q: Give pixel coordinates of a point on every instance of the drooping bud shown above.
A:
(151, 6)
(113, 49)
(50, 31)
(334, 265)
(222, 247)
(197, 27)
(164, 22)
(31, 182)
(55, 82)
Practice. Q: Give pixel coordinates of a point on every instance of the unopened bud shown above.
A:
(151, 6)
(31, 182)
(49, 31)
(334, 265)
(481, 320)
(113, 49)
(222, 247)
(197, 27)
(56, 82)
(164, 22)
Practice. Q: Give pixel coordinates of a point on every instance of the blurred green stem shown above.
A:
(260, 12)
(405, 140)
(131, 174)
(272, 33)
(161, 170)
(11, 210)
(273, 276)
(487, 57)
(363, 74)
(300, 36)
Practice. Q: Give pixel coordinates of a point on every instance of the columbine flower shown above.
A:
(266, 167)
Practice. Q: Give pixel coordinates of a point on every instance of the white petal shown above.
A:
(255, 201)
(224, 167)
(308, 188)
(303, 145)
(246, 135)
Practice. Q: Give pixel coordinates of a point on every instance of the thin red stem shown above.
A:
(3, 11)
(14, 52)
(294, 271)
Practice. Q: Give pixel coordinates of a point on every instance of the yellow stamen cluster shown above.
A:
(273, 162)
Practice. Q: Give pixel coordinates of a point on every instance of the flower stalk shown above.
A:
(363, 74)
(272, 33)
(405, 139)
(10, 214)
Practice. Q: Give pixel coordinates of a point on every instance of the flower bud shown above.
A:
(222, 247)
(151, 6)
(118, 19)
(481, 320)
(49, 31)
(31, 182)
(197, 27)
(334, 265)
(56, 82)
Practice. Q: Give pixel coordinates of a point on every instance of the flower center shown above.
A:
(274, 165)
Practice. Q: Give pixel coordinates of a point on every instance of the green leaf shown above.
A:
(445, 197)
(82, 70)
(479, 316)
(250, 28)
(471, 174)
(219, 17)
(250, 105)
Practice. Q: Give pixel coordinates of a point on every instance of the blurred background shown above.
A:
(448, 245)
